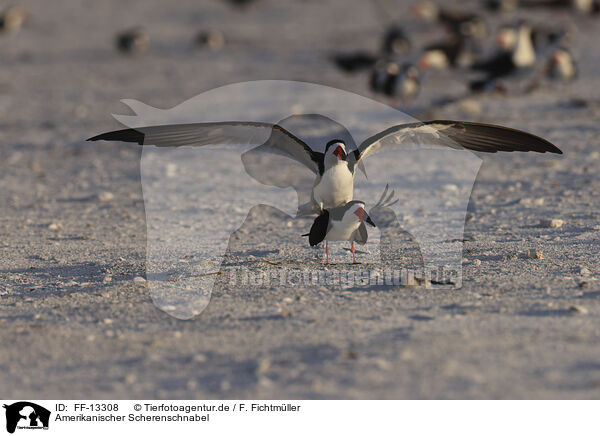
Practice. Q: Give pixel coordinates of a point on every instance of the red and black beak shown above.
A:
(370, 221)
(363, 216)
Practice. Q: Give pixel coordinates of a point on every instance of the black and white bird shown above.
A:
(335, 168)
(511, 59)
(395, 80)
(342, 223)
(562, 66)
(346, 223)
(542, 37)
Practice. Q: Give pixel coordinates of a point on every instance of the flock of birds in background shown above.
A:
(398, 69)
(521, 50)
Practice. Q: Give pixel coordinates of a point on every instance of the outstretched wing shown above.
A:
(220, 133)
(486, 138)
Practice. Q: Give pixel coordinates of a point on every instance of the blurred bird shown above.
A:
(562, 66)
(511, 59)
(395, 42)
(395, 80)
(541, 37)
(211, 39)
(12, 19)
(133, 41)
(465, 24)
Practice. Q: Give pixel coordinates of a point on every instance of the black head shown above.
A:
(336, 147)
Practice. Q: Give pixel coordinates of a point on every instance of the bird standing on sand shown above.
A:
(342, 223)
(346, 223)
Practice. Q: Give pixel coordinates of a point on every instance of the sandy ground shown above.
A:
(74, 324)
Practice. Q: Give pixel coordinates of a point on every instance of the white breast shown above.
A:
(342, 230)
(336, 186)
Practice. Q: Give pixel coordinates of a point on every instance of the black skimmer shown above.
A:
(562, 65)
(334, 169)
(133, 41)
(517, 58)
(395, 80)
(346, 223)
(342, 223)
(541, 37)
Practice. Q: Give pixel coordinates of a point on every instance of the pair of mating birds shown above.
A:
(339, 216)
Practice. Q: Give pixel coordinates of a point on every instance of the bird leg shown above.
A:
(353, 255)
(327, 251)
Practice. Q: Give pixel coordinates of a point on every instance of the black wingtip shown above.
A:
(126, 135)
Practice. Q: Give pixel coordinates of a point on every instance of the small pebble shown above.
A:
(536, 254)
(139, 280)
(54, 226)
(476, 262)
(200, 358)
(106, 196)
